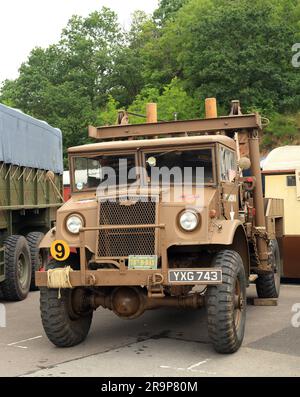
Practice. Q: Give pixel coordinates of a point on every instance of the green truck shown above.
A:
(31, 168)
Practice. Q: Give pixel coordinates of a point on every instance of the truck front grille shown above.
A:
(119, 242)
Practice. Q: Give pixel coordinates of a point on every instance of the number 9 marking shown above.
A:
(60, 250)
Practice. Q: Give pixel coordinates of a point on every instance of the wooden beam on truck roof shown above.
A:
(227, 124)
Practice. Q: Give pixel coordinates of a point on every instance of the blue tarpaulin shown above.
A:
(28, 142)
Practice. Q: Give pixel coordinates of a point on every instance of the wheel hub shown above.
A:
(239, 303)
(78, 304)
(22, 271)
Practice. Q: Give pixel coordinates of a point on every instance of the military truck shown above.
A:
(133, 250)
(30, 193)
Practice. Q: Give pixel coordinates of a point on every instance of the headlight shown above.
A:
(74, 223)
(189, 220)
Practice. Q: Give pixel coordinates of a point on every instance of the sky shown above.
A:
(25, 24)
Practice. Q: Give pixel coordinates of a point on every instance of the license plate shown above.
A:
(142, 262)
(192, 276)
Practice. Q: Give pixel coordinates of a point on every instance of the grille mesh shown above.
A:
(124, 242)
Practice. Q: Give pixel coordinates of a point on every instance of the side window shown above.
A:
(228, 165)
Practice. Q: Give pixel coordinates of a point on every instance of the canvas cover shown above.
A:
(28, 142)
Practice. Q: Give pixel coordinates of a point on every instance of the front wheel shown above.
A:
(226, 303)
(63, 326)
(64, 320)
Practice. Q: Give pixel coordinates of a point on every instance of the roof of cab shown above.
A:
(152, 143)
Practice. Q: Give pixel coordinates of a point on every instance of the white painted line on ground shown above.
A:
(191, 368)
(24, 340)
(168, 367)
(204, 372)
(197, 364)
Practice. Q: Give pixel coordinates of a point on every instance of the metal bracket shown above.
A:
(155, 288)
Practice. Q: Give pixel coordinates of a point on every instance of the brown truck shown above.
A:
(143, 242)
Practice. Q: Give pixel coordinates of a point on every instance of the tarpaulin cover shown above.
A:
(28, 142)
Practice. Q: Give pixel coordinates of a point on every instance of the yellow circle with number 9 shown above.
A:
(60, 250)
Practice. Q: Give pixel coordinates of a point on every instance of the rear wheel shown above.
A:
(268, 285)
(65, 320)
(17, 260)
(39, 257)
(226, 303)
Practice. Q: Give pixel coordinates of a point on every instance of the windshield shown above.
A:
(195, 166)
(109, 170)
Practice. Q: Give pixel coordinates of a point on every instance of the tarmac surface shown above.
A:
(165, 342)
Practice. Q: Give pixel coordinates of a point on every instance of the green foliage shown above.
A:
(68, 82)
(167, 9)
(234, 49)
(138, 106)
(109, 113)
(173, 99)
(186, 51)
(282, 130)
(126, 78)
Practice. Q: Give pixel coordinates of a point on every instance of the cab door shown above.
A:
(229, 184)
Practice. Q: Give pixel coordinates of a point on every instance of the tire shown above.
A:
(18, 271)
(63, 326)
(226, 303)
(39, 257)
(268, 285)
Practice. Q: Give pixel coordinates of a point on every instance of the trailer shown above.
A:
(281, 172)
(31, 168)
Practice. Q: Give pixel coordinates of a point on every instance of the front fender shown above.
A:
(48, 239)
(224, 231)
(232, 233)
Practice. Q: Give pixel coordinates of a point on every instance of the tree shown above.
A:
(109, 114)
(232, 49)
(167, 9)
(127, 74)
(282, 130)
(173, 100)
(186, 51)
(66, 83)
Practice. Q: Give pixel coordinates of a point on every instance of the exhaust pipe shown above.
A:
(151, 112)
(211, 111)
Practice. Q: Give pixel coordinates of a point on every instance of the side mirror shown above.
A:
(244, 163)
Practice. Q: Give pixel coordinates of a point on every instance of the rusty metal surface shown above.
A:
(104, 277)
(260, 221)
(117, 146)
(112, 277)
(227, 123)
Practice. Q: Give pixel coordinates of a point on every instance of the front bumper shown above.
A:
(148, 278)
(122, 276)
(109, 277)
